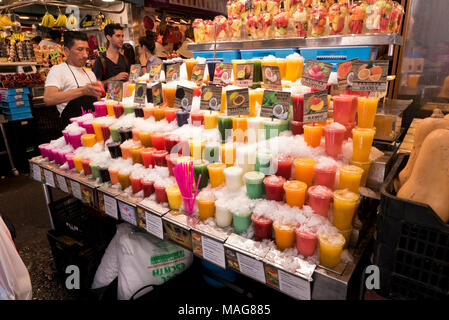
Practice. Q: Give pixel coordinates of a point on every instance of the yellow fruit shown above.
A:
(61, 21)
(51, 21)
(208, 95)
(317, 107)
(71, 22)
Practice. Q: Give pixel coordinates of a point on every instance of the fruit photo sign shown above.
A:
(156, 92)
(173, 72)
(155, 72)
(237, 102)
(275, 104)
(345, 74)
(211, 98)
(370, 76)
(222, 74)
(271, 77)
(134, 72)
(198, 73)
(115, 89)
(315, 106)
(245, 74)
(140, 93)
(316, 74)
(183, 98)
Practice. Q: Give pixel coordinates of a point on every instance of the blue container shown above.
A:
(17, 97)
(5, 92)
(227, 56)
(336, 55)
(16, 110)
(227, 274)
(17, 116)
(15, 104)
(260, 53)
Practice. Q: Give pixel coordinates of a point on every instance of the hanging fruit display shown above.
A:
(61, 21)
(72, 22)
(48, 20)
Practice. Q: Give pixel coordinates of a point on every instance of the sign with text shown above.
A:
(370, 76)
(271, 77)
(245, 74)
(134, 72)
(275, 104)
(172, 72)
(315, 106)
(115, 89)
(345, 74)
(211, 98)
(156, 92)
(237, 102)
(198, 73)
(183, 98)
(155, 72)
(223, 74)
(316, 74)
(140, 93)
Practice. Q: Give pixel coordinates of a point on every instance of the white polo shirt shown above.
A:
(60, 76)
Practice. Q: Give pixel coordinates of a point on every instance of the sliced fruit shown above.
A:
(171, 72)
(233, 95)
(363, 66)
(208, 95)
(239, 100)
(375, 70)
(375, 77)
(225, 77)
(278, 110)
(344, 69)
(241, 74)
(363, 74)
(268, 73)
(317, 107)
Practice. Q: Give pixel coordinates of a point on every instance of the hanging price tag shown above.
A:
(222, 74)
(271, 77)
(315, 106)
(156, 92)
(140, 95)
(62, 183)
(345, 74)
(134, 72)
(49, 178)
(172, 72)
(237, 102)
(76, 190)
(370, 76)
(110, 206)
(275, 104)
(155, 72)
(198, 74)
(316, 74)
(244, 74)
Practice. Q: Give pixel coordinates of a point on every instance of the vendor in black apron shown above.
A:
(69, 86)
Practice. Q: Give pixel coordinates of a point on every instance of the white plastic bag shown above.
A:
(15, 280)
(138, 259)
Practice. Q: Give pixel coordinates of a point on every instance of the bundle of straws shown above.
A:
(184, 177)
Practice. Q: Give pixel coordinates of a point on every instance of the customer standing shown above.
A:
(147, 57)
(69, 85)
(112, 65)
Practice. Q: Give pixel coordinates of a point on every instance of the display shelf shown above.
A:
(15, 64)
(330, 41)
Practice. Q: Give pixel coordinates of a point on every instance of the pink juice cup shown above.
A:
(53, 155)
(88, 126)
(65, 133)
(305, 242)
(262, 227)
(75, 140)
(161, 195)
(100, 109)
(43, 148)
(319, 199)
(69, 158)
(334, 134)
(325, 175)
(345, 108)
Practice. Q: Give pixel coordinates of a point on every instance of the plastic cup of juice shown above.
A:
(241, 220)
(365, 166)
(362, 140)
(284, 235)
(113, 174)
(216, 174)
(262, 227)
(77, 163)
(136, 183)
(319, 199)
(174, 197)
(233, 178)
(284, 166)
(345, 207)
(331, 246)
(366, 111)
(350, 178)
(345, 108)
(313, 134)
(295, 193)
(274, 188)
(325, 175)
(206, 207)
(124, 179)
(254, 184)
(305, 242)
(223, 216)
(147, 187)
(304, 170)
(334, 134)
(161, 195)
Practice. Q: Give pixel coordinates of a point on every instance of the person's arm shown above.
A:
(53, 96)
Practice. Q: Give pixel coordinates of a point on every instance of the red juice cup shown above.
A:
(170, 114)
(298, 107)
(274, 188)
(262, 227)
(159, 157)
(334, 134)
(118, 110)
(284, 166)
(325, 175)
(158, 140)
(147, 187)
(85, 162)
(172, 161)
(161, 195)
(43, 150)
(147, 157)
(171, 140)
(136, 184)
(345, 108)
(319, 199)
(197, 118)
(305, 242)
(297, 127)
(105, 131)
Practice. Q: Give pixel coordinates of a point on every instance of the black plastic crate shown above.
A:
(412, 246)
(68, 251)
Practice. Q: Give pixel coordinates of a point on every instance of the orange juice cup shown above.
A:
(123, 176)
(210, 119)
(313, 134)
(113, 174)
(255, 96)
(304, 170)
(148, 112)
(350, 178)
(366, 111)
(345, 206)
(331, 247)
(223, 101)
(77, 163)
(294, 69)
(228, 153)
(159, 113)
(145, 138)
(169, 92)
(216, 174)
(413, 80)
(295, 193)
(365, 166)
(135, 154)
(97, 130)
(126, 152)
(284, 235)
(131, 87)
(190, 63)
(88, 140)
(206, 207)
(362, 140)
(174, 197)
(239, 127)
(136, 136)
(110, 107)
(282, 63)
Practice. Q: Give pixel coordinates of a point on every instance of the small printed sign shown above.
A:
(172, 72)
(49, 178)
(155, 72)
(275, 104)
(116, 90)
(37, 173)
(315, 106)
(62, 183)
(316, 74)
(223, 74)
(110, 206)
(140, 93)
(237, 102)
(271, 77)
(245, 74)
(183, 98)
(76, 190)
(213, 251)
(154, 225)
(251, 267)
(294, 286)
(198, 74)
(211, 98)
(370, 76)
(127, 213)
(345, 74)
(156, 92)
(135, 72)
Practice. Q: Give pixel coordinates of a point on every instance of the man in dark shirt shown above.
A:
(112, 65)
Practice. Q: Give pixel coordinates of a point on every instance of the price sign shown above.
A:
(172, 72)
(37, 173)
(316, 74)
(251, 267)
(198, 73)
(211, 98)
(156, 92)
(116, 90)
(222, 74)
(62, 183)
(76, 189)
(49, 178)
(237, 102)
(110, 206)
(370, 76)
(315, 106)
(184, 97)
(271, 77)
(213, 251)
(245, 74)
(294, 286)
(345, 74)
(275, 104)
(134, 72)
(154, 225)
(140, 93)
(155, 72)
(127, 213)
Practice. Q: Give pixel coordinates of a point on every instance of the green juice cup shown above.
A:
(225, 123)
(272, 128)
(200, 167)
(95, 170)
(254, 184)
(212, 152)
(257, 77)
(264, 163)
(115, 135)
(241, 220)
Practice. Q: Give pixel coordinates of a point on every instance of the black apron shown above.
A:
(73, 108)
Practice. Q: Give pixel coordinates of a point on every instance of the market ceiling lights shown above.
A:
(108, 0)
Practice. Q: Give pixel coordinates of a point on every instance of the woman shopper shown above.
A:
(147, 57)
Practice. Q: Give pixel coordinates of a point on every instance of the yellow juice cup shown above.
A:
(223, 101)
(210, 119)
(284, 235)
(228, 153)
(216, 174)
(135, 153)
(169, 92)
(131, 87)
(196, 148)
(345, 206)
(255, 95)
(295, 193)
(239, 127)
(350, 178)
(88, 140)
(159, 114)
(77, 163)
(313, 134)
(206, 207)
(304, 170)
(110, 107)
(268, 63)
(123, 176)
(174, 197)
(331, 247)
(294, 69)
(97, 130)
(282, 63)
(365, 166)
(366, 111)
(145, 138)
(190, 63)
(362, 140)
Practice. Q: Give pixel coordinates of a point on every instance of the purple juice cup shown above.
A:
(75, 140)
(69, 158)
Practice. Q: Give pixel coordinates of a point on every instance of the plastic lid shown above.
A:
(351, 169)
(335, 240)
(295, 185)
(254, 176)
(322, 192)
(346, 195)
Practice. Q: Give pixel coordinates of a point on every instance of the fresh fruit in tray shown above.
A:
(280, 23)
(273, 6)
(298, 22)
(235, 27)
(379, 19)
(251, 26)
(21, 80)
(337, 18)
(265, 25)
(259, 6)
(209, 31)
(396, 18)
(357, 12)
(221, 24)
(199, 30)
(318, 20)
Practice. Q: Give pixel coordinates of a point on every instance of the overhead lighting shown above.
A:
(24, 17)
(108, 0)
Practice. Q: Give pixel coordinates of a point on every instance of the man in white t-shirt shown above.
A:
(69, 85)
